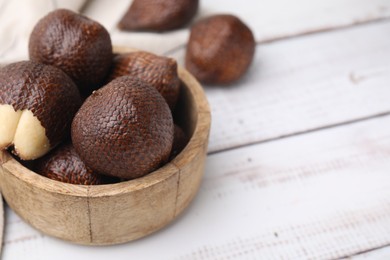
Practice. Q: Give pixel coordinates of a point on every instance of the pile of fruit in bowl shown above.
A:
(114, 142)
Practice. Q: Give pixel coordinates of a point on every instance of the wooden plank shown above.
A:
(303, 84)
(270, 20)
(321, 195)
(279, 19)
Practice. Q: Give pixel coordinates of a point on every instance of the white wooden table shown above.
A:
(299, 155)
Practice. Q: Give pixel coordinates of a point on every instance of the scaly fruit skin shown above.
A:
(64, 164)
(74, 43)
(44, 90)
(158, 71)
(124, 129)
(220, 49)
(158, 15)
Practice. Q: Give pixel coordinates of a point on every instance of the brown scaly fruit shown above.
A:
(124, 129)
(74, 43)
(64, 164)
(220, 49)
(158, 15)
(37, 105)
(159, 72)
(180, 140)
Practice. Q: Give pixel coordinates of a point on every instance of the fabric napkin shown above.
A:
(17, 19)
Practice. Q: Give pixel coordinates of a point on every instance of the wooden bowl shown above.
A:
(115, 213)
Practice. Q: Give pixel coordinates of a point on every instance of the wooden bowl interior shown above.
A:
(186, 112)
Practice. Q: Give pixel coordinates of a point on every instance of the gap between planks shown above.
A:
(363, 252)
(323, 30)
(317, 129)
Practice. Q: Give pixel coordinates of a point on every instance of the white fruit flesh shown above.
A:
(9, 119)
(24, 131)
(30, 141)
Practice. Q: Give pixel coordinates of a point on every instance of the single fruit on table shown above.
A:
(180, 140)
(64, 164)
(37, 105)
(124, 129)
(158, 15)
(77, 45)
(159, 72)
(220, 49)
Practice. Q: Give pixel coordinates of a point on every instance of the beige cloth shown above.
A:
(108, 13)
(18, 19)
